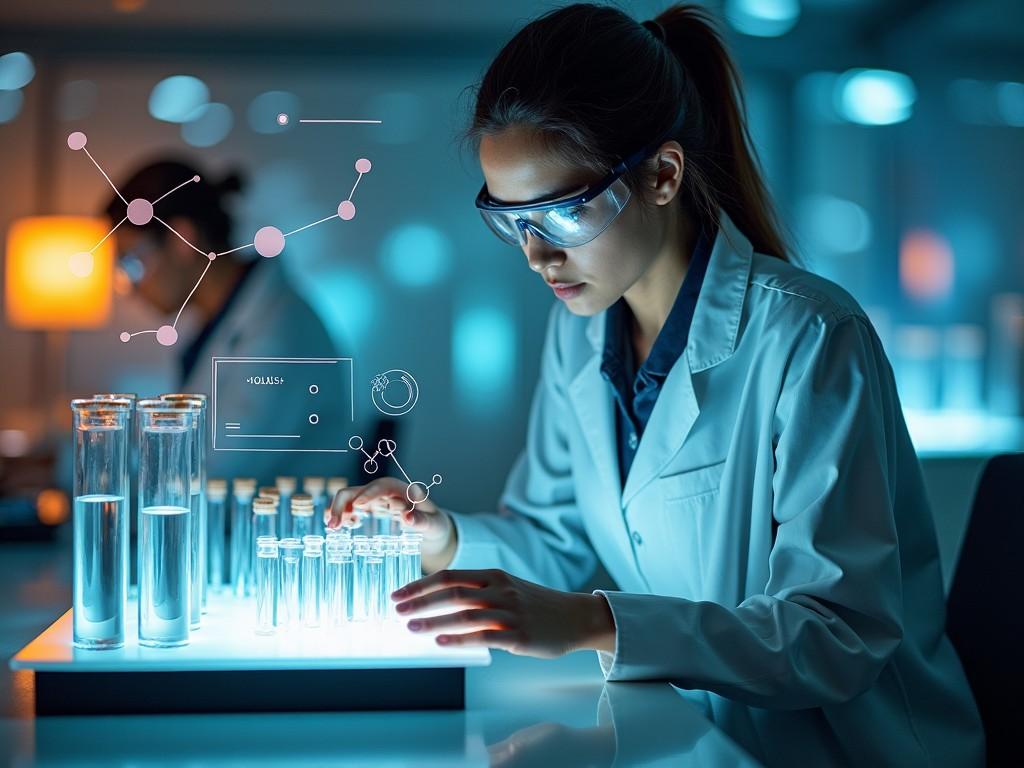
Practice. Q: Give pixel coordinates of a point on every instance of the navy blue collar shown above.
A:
(672, 339)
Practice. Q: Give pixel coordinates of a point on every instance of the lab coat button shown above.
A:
(632, 441)
(638, 538)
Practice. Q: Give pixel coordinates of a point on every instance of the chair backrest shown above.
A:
(985, 610)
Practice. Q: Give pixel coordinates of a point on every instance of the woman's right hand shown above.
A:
(439, 538)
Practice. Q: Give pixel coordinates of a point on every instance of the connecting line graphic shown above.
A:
(268, 241)
(388, 448)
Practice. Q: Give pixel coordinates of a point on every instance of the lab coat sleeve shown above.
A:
(830, 616)
(537, 533)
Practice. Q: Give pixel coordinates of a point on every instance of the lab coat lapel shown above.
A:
(712, 339)
(591, 398)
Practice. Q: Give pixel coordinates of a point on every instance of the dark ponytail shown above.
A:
(599, 86)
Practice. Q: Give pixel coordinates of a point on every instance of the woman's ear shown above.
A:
(668, 177)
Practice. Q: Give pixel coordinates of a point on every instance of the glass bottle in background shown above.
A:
(242, 542)
(197, 503)
(312, 580)
(165, 538)
(131, 470)
(289, 597)
(303, 516)
(335, 484)
(266, 584)
(264, 518)
(315, 488)
(271, 492)
(100, 524)
(216, 508)
(286, 487)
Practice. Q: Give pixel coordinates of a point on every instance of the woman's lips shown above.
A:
(566, 291)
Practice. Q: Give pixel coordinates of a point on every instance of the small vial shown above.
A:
(264, 517)
(312, 581)
(314, 487)
(286, 487)
(381, 516)
(271, 492)
(242, 549)
(339, 538)
(303, 516)
(288, 601)
(338, 581)
(266, 585)
(216, 509)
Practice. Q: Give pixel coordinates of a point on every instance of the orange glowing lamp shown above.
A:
(56, 276)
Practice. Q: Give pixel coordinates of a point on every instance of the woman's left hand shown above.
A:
(495, 609)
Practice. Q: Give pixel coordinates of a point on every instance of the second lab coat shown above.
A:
(772, 541)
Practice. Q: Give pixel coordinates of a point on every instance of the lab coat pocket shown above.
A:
(691, 483)
(687, 514)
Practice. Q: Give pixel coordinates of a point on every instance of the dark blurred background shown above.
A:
(891, 132)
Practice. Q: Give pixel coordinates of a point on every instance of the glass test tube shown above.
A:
(285, 488)
(312, 581)
(165, 536)
(410, 561)
(197, 504)
(360, 600)
(338, 584)
(303, 520)
(242, 549)
(100, 573)
(216, 508)
(376, 609)
(266, 585)
(392, 574)
(314, 487)
(289, 598)
(130, 467)
(271, 492)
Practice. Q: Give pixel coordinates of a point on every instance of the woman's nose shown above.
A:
(540, 254)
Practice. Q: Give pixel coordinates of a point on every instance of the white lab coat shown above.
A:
(269, 319)
(772, 541)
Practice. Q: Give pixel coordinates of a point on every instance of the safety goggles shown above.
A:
(566, 222)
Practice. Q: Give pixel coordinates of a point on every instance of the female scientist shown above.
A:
(718, 427)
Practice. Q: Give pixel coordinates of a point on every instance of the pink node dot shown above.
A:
(76, 140)
(140, 212)
(80, 264)
(166, 335)
(125, 336)
(269, 242)
(195, 179)
(363, 165)
(282, 119)
(211, 256)
(347, 210)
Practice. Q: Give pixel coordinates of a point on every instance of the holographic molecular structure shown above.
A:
(268, 241)
(416, 492)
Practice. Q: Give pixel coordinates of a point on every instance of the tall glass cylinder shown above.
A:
(242, 543)
(360, 599)
(100, 575)
(165, 472)
(197, 501)
(264, 518)
(314, 487)
(286, 487)
(130, 468)
(303, 516)
(216, 510)
(374, 586)
(410, 560)
(266, 585)
(392, 574)
(289, 597)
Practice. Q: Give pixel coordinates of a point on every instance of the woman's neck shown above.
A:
(651, 297)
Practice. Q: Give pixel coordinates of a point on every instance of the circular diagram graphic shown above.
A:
(391, 380)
